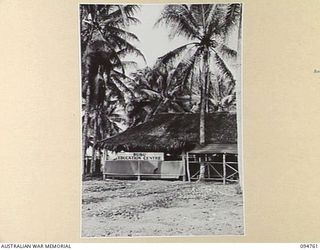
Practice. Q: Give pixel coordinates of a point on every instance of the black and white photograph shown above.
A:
(161, 90)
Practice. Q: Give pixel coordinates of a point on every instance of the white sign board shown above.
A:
(140, 156)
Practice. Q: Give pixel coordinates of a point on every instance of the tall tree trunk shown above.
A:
(97, 112)
(98, 107)
(203, 101)
(202, 129)
(202, 115)
(95, 140)
(203, 96)
(85, 129)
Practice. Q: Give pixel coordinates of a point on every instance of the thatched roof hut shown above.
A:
(174, 132)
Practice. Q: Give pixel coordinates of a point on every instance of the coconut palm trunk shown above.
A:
(85, 129)
(202, 116)
(97, 110)
(104, 40)
(203, 100)
(93, 169)
(203, 104)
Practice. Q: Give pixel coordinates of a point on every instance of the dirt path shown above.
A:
(160, 208)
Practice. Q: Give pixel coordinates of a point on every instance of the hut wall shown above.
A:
(150, 169)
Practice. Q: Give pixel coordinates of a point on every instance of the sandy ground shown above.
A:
(160, 208)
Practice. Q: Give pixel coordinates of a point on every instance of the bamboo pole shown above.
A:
(231, 167)
(224, 168)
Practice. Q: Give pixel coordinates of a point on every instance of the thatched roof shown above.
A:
(174, 132)
(215, 148)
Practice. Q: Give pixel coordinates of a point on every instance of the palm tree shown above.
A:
(207, 26)
(104, 44)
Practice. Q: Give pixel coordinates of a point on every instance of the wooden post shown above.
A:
(239, 165)
(224, 168)
(188, 167)
(183, 155)
(103, 162)
(139, 177)
(104, 154)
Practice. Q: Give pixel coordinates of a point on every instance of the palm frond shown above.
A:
(215, 19)
(227, 100)
(232, 17)
(126, 64)
(224, 70)
(121, 15)
(115, 91)
(121, 85)
(120, 32)
(228, 52)
(186, 66)
(180, 21)
(127, 48)
(172, 55)
(124, 76)
(151, 93)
